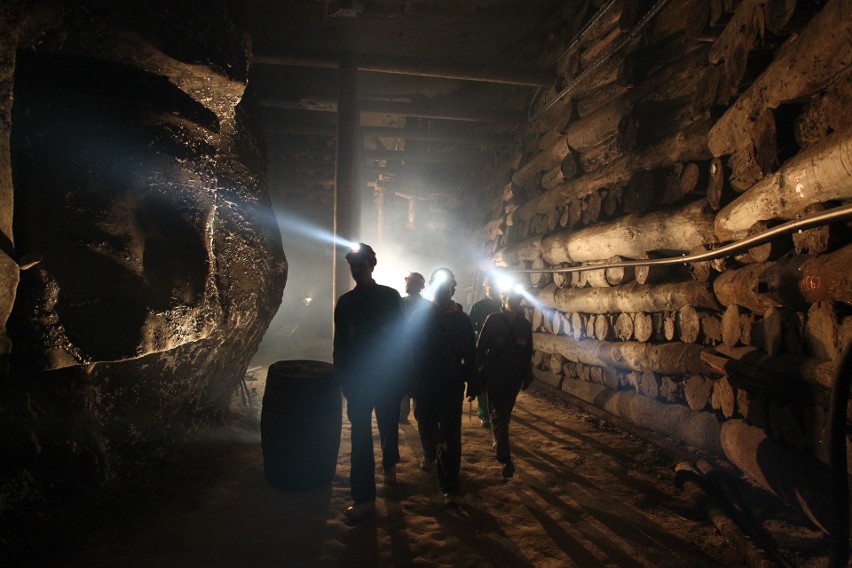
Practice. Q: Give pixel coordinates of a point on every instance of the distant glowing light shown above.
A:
(307, 301)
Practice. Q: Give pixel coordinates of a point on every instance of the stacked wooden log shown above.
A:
(718, 120)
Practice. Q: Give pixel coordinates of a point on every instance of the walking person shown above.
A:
(413, 301)
(369, 324)
(481, 310)
(504, 359)
(444, 355)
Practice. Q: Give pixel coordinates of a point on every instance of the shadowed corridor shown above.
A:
(585, 494)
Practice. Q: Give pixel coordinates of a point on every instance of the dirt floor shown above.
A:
(585, 494)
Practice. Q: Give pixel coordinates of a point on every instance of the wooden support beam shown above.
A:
(417, 110)
(452, 136)
(630, 236)
(666, 358)
(287, 163)
(688, 145)
(803, 65)
(315, 159)
(419, 67)
(818, 174)
(418, 157)
(629, 298)
(307, 182)
(347, 201)
(795, 281)
(328, 130)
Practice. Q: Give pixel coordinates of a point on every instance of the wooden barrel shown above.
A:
(300, 424)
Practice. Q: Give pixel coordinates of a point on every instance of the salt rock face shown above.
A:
(140, 186)
(119, 198)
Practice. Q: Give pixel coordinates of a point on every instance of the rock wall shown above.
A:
(150, 260)
(676, 127)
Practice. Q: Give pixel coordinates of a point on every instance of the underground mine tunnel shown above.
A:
(670, 181)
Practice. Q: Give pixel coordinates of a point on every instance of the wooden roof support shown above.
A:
(472, 114)
(453, 136)
(303, 181)
(460, 70)
(418, 157)
(285, 161)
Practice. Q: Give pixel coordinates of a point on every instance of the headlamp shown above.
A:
(505, 282)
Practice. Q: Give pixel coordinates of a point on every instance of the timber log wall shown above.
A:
(707, 122)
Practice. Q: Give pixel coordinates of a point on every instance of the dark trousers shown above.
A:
(439, 417)
(359, 410)
(501, 395)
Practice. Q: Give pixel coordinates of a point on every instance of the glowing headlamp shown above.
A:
(440, 278)
(505, 282)
(356, 247)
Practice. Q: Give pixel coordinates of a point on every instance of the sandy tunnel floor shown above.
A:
(584, 494)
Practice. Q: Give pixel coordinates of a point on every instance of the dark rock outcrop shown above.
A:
(140, 194)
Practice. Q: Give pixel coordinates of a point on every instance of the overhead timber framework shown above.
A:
(441, 88)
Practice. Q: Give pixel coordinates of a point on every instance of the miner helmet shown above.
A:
(442, 275)
(416, 279)
(361, 251)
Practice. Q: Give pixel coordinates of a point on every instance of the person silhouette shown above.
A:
(368, 330)
(481, 310)
(504, 358)
(444, 354)
(413, 301)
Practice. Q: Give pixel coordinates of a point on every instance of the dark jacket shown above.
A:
(504, 349)
(411, 304)
(481, 310)
(368, 330)
(443, 349)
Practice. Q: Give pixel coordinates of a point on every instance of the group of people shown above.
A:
(389, 351)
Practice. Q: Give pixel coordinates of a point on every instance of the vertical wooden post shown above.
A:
(380, 212)
(346, 189)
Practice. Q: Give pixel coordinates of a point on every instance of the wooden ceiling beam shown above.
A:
(416, 110)
(302, 181)
(453, 137)
(459, 70)
(304, 161)
(417, 157)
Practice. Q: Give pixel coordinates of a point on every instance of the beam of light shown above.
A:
(508, 284)
(529, 298)
(297, 226)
